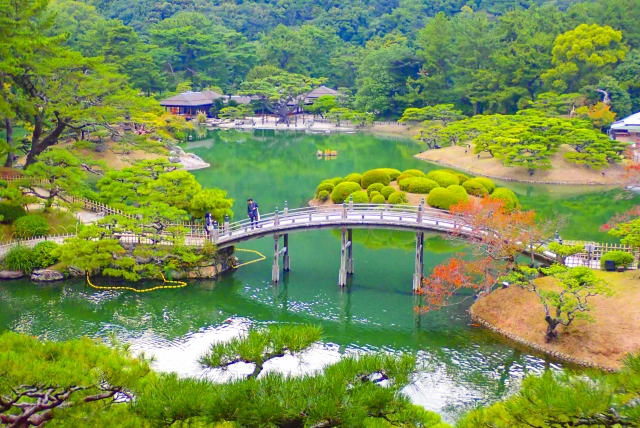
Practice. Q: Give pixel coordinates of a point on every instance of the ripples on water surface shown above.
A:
(460, 365)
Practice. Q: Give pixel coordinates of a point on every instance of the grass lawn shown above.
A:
(614, 334)
(60, 222)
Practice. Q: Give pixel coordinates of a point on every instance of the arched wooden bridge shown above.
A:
(346, 217)
(418, 219)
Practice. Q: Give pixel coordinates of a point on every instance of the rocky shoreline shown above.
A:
(189, 161)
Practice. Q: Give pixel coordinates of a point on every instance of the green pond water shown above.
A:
(461, 365)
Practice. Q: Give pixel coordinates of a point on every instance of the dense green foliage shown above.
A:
(21, 258)
(387, 191)
(326, 187)
(445, 198)
(375, 187)
(343, 190)
(398, 198)
(475, 188)
(42, 381)
(443, 178)
(378, 199)
(488, 184)
(375, 176)
(323, 195)
(418, 185)
(360, 197)
(11, 212)
(354, 178)
(90, 384)
(567, 399)
(510, 199)
(620, 258)
(31, 226)
(393, 173)
(161, 182)
(43, 254)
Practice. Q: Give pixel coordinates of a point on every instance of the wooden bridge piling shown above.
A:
(285, 257)
(350, 251)
(419, 267)
(275, 270)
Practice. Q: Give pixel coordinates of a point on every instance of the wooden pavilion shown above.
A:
(191, 103)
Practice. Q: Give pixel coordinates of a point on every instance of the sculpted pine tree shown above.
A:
(346, 394)
(279, 92)
(41, 381)
(567, 303)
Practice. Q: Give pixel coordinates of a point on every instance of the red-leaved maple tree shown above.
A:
(496, 238)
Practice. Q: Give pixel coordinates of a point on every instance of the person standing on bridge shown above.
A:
(252, 211)
(208, 223)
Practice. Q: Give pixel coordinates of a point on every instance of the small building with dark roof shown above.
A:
(191, 103)
(319, 92)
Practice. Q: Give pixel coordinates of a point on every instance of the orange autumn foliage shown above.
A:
(498, 238)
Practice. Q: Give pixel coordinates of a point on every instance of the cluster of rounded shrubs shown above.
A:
(372, 186)
(445, 188)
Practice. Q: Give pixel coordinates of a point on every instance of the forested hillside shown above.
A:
(483, 56)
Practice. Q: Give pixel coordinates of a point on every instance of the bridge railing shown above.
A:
(332, 213)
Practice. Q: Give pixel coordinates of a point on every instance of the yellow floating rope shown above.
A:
(181, 284)
(260, 258)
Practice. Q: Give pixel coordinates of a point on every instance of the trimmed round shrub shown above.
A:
(443, 178)
(335, 180)
(42, 254)
(488, 184)
(393, 173)
(445, 198)
(375, 187)
(398, 198)
(20, 258)
(474, 188)
(620, 258)
(354, 178)
(462, 177)
(323, 195)
(510, 199)
(343, 190)
(324, 186)
(404, 183)
(374, 193)
(419, 185)
(30, 226)
(414, 172)
(375, 176)
(360, 197)
(459, 190)
(378, 199)
(11, 212)
(387, 191)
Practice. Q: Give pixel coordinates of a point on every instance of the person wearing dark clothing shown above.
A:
(252, 211)
(208, 223)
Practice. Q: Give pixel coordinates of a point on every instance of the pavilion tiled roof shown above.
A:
(320, 91)
(191, 99)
